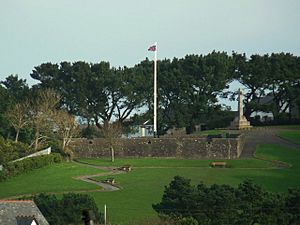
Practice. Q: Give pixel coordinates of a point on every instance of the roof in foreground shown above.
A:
(15, 212)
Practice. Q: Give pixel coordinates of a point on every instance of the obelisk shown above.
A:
(240, 122)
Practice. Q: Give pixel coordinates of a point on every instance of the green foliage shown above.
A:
(67, 210)
(219, 118)
(94, 91)
(292, 204)
(28, 164)
(10, 150)
(12, 91)
(144, 185)
(275, 76)
(223, 204)
(56, 147)
(189, 87)
(187, 221)
(90, 132)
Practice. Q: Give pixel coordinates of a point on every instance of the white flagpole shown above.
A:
(155, 94)
(105, 214)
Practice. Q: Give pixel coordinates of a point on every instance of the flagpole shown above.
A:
(155, 94)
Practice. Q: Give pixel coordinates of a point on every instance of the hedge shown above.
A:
(15, 168)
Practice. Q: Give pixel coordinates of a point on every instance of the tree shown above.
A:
(17, 89)
(68, 209)
(178, 199)
(285, 82)
(254, 74)
(66, 128)
(276, 75)
(12, 91)
(4, 104)
(42, 111)
(189, 87)
(111, 132)
(222, 204)
(18, 117)
(93, 91)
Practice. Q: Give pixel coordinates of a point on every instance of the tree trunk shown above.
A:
(17, 136)
(63, 144)
(112, 154)
(36, 142)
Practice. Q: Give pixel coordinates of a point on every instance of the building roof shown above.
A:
(15, 212)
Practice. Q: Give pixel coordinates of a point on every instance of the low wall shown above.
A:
(184, 147)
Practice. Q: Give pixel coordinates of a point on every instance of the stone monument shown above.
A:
(240, 122)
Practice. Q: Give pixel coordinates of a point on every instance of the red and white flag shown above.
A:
(152, 48)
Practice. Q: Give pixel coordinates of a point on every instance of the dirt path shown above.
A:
(85, 178)
(265, 135)
(105, 186)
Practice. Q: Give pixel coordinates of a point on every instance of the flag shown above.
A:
(152, 48)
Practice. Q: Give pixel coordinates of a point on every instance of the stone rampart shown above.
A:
(178, 147)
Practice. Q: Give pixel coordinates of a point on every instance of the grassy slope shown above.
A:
(172, 162)
(290, 135)
(210, 132)
(54, 178)
(143, 186)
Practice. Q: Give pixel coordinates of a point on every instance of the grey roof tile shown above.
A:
(19, 212)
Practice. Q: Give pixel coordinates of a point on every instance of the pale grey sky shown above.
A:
(37, 31)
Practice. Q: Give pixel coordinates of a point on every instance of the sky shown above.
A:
(33, 32)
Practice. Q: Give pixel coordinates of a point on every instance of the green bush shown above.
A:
(2, 176)
(19, 167)
(68, 210)
(56, 146)
(10, 150)
(223, 204)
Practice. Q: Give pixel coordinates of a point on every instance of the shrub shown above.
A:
(68, 210)
(222, 204)
(2, 176)
(10, 150)
(19, 167)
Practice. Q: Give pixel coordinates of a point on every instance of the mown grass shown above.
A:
(144, 186)
(175, 163)
(54, 178)
(210, 132)
(294, 127)
(290, 135)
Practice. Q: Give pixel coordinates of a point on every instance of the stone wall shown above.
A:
(183, 147)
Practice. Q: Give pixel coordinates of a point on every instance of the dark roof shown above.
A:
(13, 212)
(25, 220)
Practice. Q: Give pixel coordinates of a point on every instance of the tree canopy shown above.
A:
(223, 204)
(189, 90)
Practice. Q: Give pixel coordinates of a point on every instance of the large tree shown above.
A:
(223, 204)
(189, 87)
(255, 75)
(42, 115)
(285, 83)
(18, 117)
(12, 91)
(93, 91)
(66, 128)
(276, 75)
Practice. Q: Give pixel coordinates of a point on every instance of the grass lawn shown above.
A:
(175, 163)
(145, 184)
(290, 135)
(211, 132)
(54, 178)
(294, 127)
